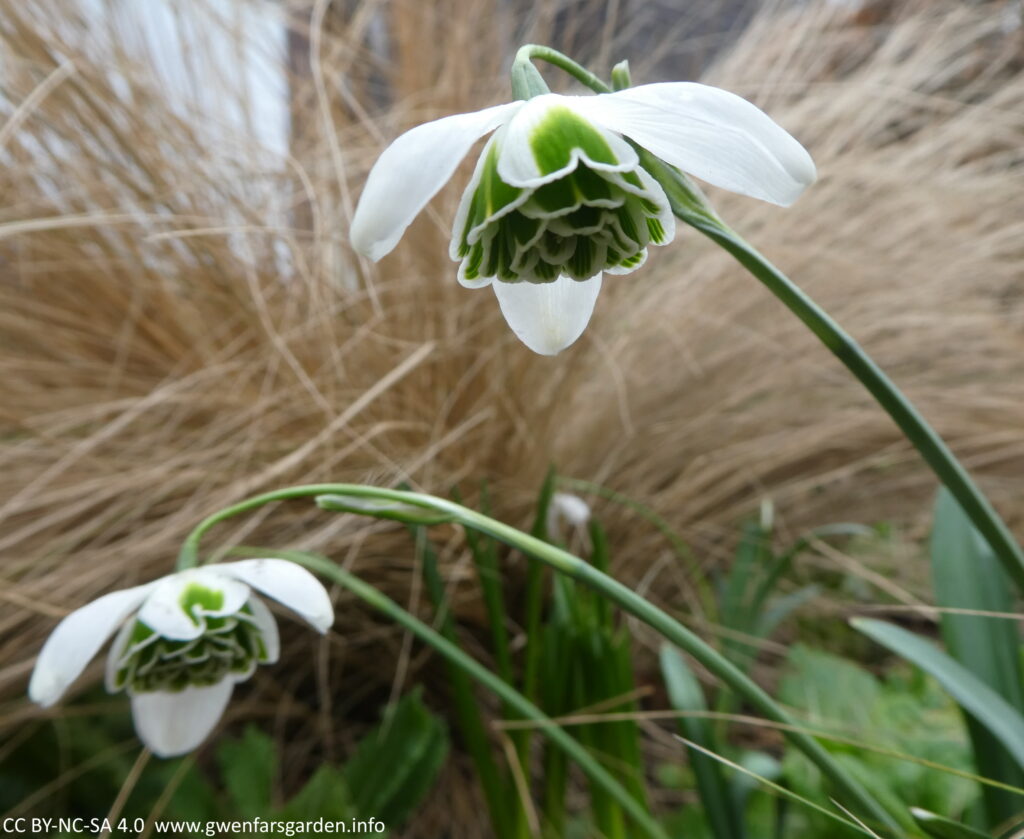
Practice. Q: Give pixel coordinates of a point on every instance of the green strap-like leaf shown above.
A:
(685, 694)
(968, 576)
(941, 828)
(973, 695)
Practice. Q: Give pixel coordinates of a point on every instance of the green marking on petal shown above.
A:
(559, 132)
(656, 230)
(206, 599)
(578, 225)
(231, 644)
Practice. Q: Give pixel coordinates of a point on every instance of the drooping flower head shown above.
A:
(185, 640)
(559, 197)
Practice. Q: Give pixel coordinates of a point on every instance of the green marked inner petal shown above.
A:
(556, 249)
(474, 261)
(656, 230)
(196, 598)
(582, 264)
(578, 225)
(546, 272)
(559, 132)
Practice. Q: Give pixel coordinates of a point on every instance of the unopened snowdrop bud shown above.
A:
(558, 198)
(566, 513)
(185, 640)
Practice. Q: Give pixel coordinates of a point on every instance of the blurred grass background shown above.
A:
(182, 322)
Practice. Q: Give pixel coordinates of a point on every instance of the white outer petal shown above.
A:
(163, 613)
(411, 171)
(715, 135)
(289, 584)
(174, 723)
(516, 163)
(76, 639)
(267, 626)
(548, 317)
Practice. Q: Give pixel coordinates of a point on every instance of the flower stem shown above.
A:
(690, 206)
(528, 52)
(849, 788)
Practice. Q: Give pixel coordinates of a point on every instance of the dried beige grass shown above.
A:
(154, 366)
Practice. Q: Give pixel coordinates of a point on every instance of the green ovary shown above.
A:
(230, 645)
(578, 226)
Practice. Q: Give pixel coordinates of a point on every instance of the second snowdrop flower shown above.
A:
(185, 640)
(559, 198)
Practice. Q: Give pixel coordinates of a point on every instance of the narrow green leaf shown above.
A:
(485, 559)
(685, 694)
(973, 695)
(467, 709)
(967, 575)
(533, 610)
(942, 828)
(782, 608)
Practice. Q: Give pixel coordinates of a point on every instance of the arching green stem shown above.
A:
(528, 52)
(339, 496)
(690, 205)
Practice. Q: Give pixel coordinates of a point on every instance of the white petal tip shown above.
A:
(289, 584)
(373, 250)
(548, 317)
(45, 689)
(173, 724)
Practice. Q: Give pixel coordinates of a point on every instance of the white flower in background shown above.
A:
(567, 511)
(559, 198)
(185, 640)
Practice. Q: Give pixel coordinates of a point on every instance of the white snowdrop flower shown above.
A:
(185, 640)
(567, 511)
(559, 198)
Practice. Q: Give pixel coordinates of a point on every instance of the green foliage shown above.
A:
(723, 811)
(248, 767)
(388, 776)
(903, 713)
(968, 576)
(575, 658)
(939, 828)
(394, 766)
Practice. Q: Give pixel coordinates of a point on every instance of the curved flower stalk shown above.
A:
(559, 196)
(185, 640)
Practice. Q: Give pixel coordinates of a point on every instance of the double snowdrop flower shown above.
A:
(559, 198)
(185, 640)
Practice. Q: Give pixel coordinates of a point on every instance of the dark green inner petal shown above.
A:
(579, 225)
(492, 195)
(230, 644)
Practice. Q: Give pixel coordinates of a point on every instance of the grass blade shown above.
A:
(967, 575)
(685, 694)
